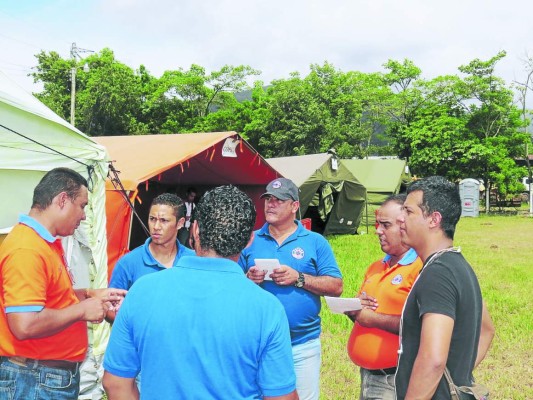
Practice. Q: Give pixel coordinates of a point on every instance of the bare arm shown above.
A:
(323, 285)
(291, 396)
(430, 361)
(110, 316)
(319, 285)
(48, 321)
(486, 336)
(371, 319)
(118, 388)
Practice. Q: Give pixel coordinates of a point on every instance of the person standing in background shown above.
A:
(308, 270)
(190, 205)
(373, 343)
(161, 250)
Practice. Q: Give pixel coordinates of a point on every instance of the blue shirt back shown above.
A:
(202, 330)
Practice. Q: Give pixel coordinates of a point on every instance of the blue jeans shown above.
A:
(37, 382)
(376, 387)
(307, 368)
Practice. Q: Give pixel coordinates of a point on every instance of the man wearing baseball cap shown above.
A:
(307, 271)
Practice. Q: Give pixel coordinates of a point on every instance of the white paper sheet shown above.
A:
(268, 265)
(339, 305)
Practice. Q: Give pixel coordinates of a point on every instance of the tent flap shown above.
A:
(334, 193)
(382, 177)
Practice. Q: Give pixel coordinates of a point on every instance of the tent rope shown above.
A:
(90, 168)
(117, 184)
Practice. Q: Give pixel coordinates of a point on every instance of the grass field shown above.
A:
(500, 249)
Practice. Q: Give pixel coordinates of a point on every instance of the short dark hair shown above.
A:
(171, 200)
(191, 189)
(438, 194)
(226, 218)
(54, 182)
(395, 198)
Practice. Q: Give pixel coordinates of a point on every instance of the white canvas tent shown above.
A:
(34, 140)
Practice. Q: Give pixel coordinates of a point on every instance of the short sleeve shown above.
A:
(121, 357)
(276, 375)
(24, 279)
(326, 263)
(437, 291)
(119, 278)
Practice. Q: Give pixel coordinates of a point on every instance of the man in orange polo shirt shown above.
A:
(43, 327)
(374, 341)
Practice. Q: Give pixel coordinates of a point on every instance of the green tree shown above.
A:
(109, 97)
(494, 121)
(327, 109)
(402, 108)
(467, 128)
(183, 101)
(54, 73)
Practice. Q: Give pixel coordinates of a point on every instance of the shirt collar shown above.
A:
(407, 259)
(37, 227)
(300, 230)
(149, 258)
(210, 264)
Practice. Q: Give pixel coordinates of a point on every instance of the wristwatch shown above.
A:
(300, 282)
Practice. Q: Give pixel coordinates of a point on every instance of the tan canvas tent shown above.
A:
(329, 194)
(153, 164)
(381, 177)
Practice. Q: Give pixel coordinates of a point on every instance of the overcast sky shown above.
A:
(276, 37)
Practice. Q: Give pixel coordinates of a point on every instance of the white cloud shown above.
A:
(274, 36)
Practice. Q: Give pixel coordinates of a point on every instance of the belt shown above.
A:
(31, 363)
(386, 371)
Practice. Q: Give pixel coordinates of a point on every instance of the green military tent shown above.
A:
(329, 194)
(381, 177)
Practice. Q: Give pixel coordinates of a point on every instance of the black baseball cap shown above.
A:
(283, 189)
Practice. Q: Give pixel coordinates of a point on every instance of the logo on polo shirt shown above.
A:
(298, 253)
(397, 279)
(276, 184)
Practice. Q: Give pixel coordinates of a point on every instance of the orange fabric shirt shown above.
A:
(374, 348)
(33, 276)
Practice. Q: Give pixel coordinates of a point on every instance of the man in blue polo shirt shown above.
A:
(161, 250)
(201, 330)
(307, 271)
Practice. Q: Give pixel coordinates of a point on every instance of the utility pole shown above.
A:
(74, 55)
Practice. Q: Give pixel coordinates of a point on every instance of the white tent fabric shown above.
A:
(34, 140)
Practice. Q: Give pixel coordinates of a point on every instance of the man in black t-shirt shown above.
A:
(444, 322)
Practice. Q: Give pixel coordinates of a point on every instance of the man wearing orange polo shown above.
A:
(373, 343)
(43, 330)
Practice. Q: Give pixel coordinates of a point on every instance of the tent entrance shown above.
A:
(323, 202)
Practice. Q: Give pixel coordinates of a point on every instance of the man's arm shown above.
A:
(118, 388)
(486, 336)
(291, 396)
(319, 285)
(323, 285)
(430, 361)
(48, 321)
(371, 319)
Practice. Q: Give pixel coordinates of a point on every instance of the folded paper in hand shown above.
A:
(339, 305)
(268, 265)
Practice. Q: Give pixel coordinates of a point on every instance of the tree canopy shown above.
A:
(457, 125)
